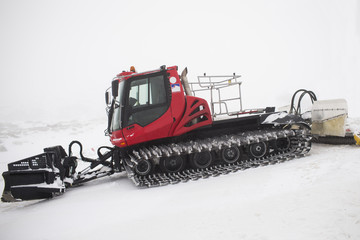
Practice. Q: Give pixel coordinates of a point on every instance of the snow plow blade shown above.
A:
(328, 117)
(48, 174)
(35, 177)
(24, 186)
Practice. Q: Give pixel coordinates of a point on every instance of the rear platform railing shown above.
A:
(223, 93)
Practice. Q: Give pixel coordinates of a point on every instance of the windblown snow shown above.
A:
(316, 197)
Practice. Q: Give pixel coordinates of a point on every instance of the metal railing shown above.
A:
(215, 87)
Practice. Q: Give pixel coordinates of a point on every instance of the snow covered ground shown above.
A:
(316, 197)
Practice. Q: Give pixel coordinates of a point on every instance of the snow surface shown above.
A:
(316, 197)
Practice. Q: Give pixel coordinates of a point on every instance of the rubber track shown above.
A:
(300, 141)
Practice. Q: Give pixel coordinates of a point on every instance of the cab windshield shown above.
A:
(116, 116)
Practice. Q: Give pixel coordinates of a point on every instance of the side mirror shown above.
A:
(107, 98)
(115, 88)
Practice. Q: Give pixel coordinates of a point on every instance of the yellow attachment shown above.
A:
(132, 69)
(357, 138)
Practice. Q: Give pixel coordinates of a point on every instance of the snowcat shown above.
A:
(163, 133)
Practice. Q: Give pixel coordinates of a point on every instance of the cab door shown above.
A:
(147, 113)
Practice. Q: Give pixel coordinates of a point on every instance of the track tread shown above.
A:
(300, 146)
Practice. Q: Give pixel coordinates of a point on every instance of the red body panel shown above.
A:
(135, 134)
(117, 139)
(177, 120)
(197, 114)
(178, 102)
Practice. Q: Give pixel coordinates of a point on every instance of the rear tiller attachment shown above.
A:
(49, 173)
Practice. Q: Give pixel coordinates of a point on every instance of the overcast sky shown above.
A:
(58, 57)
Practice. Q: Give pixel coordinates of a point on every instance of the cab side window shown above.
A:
(147, 100)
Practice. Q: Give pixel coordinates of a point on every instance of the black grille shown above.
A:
(35, 162)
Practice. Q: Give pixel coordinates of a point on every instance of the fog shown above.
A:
(58, 57)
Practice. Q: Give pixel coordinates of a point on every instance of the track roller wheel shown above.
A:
(201, 160)
(144, 167)
(172, 164)
(258, 150)
(282, 144)
(230, 154)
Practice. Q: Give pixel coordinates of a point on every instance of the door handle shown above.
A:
(131, 127)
